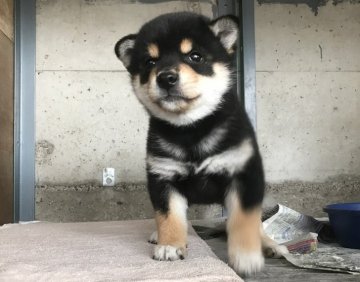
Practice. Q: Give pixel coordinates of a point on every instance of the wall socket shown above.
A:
(109, 176)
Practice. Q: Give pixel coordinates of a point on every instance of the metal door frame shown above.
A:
(24, 112)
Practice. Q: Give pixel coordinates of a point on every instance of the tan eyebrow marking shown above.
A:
(153, 50)
(185, 46)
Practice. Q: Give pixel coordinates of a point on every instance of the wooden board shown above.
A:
(7, 18)
(6, 129)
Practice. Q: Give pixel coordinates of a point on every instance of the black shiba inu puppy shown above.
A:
(201, 147)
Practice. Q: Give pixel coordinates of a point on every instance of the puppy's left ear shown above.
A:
(124, 48)
(226, 28)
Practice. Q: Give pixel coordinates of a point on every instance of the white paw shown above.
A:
(275, 251)
(153, 238)
(246, 262)
(167, 252)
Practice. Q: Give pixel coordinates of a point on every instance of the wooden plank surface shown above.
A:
(6, 128)
(7, 18)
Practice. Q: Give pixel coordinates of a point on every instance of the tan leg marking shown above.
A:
(244, 240)
(172, 230)
(243, 230)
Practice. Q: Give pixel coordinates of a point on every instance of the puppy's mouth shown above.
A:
(175, 96)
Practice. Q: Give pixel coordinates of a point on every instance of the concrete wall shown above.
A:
(308, 104)
(308, 90)
(87, 117)
(6, 111)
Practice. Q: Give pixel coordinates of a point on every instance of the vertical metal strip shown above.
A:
(24, 171)
(246, 58)
(248, 63)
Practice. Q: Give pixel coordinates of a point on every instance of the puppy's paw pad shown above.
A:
(276, 251)
(247, 262)
(153, 238)
(167, 252)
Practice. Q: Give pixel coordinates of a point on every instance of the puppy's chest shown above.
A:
(208, 156)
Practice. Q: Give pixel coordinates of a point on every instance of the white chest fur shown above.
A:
(229, 162)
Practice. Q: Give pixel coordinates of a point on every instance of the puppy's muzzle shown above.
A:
(167, 79)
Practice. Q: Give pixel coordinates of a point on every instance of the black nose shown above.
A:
(167, 79)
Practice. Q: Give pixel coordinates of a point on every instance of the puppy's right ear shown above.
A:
(226, 28)
(124, 48)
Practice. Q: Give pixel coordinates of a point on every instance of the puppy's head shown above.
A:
(180, 64)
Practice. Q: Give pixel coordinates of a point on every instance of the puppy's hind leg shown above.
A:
(153, 238)
(271, 249)
(244, 239)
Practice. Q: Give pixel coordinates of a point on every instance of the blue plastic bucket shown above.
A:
(345, 221)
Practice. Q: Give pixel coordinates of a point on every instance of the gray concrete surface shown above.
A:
(311, 197)
(85, 108)
(86, 121)
(131, 201)
(308, 91)
(96, 203)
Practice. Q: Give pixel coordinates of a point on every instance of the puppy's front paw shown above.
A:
(245, 262)
(167, 252)
(275, 251)
(153, 238)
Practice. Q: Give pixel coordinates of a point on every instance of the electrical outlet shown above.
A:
(109, 176)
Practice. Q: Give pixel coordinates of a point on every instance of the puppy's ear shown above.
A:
(124, 48)
(226, 28)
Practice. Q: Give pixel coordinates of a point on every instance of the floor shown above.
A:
(276, 270)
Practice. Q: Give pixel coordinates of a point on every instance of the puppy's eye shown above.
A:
(195, 57)
(150, 62)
